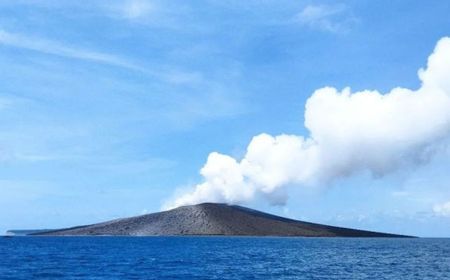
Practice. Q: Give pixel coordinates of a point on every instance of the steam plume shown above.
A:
(349, 133)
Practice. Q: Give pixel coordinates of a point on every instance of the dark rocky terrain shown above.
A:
(212, 219)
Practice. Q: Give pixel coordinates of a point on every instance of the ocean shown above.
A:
(223, 258)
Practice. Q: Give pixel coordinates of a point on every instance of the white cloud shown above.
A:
(134, 9)
(56, 48)
(167, 74)
(224, 181)
(327, 18)
(442, 209)
(349, 133)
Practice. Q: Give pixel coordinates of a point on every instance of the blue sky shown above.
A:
(109, 108)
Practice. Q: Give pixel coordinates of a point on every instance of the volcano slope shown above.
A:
(212, 219)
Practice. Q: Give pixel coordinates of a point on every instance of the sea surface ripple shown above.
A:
(223, 258)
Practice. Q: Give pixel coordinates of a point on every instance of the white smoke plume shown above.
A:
(349, 133)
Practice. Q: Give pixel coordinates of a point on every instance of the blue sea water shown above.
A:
(223, 258)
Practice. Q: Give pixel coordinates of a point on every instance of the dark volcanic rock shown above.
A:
(213, 219)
